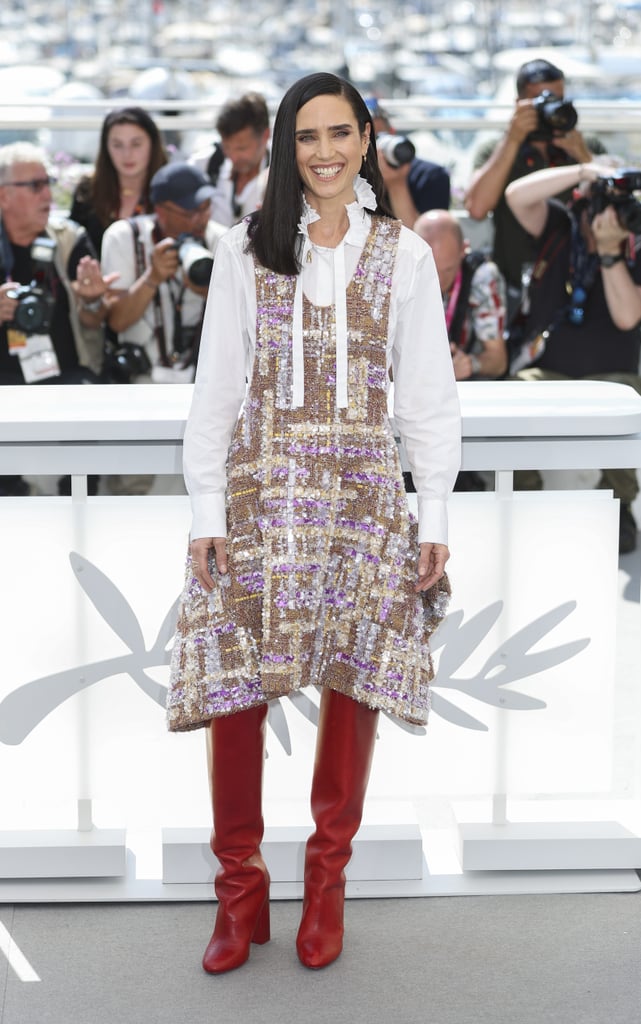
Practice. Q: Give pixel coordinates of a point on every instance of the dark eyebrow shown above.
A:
(332, 128)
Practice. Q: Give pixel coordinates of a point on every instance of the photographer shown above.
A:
(585, 292)
(542, 133)
(161, 292)
(237, 166)
(473, 294)
(413, 185)
(50, 325)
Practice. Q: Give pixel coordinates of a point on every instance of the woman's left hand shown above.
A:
(431, 565)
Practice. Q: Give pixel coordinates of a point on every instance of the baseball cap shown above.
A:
(182, 184)
(533, 72)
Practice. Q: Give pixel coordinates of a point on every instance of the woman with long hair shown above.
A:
(129, 154)
(306, 567)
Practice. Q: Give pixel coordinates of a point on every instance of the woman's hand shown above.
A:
(431, 565)
(199, 550)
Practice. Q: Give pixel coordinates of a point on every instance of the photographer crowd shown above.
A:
(557, 295)
(584, 306)
(542, 133)
(164, 261)
(51, 298)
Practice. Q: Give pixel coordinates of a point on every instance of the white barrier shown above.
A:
(513, 787)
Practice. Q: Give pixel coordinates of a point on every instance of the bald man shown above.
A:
(473, 293)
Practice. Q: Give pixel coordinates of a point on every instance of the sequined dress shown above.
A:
(322, 549)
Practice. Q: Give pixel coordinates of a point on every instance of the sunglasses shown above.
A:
(36, 185)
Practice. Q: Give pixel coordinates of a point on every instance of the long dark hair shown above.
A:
(273, 230)
(105, 188)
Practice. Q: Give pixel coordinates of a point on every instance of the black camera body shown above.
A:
(398, 150)
(34, 311)
(124, 361)
(556, 116)
(617, 190)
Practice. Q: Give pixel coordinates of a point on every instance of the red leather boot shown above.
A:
(344, 748)
(242, 881)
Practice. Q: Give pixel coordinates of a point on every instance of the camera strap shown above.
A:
(584, 267)
(523, 350)
(215, 162)
(457, 308)
(6, 254)
(176, 298)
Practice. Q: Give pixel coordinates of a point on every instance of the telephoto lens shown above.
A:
(196, 261)
(397, 149)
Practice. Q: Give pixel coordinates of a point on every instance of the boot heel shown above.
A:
(261, 931)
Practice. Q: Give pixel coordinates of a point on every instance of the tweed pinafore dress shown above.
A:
(322, 550)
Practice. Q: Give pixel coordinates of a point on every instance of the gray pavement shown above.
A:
(567, 959)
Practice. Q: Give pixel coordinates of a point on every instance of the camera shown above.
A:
(556, 116)
(616, 190)
(196, 261)
(398, 150)
(34, 310)
(125, 361)
(35, 303)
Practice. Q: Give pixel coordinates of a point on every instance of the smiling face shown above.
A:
(329, 150)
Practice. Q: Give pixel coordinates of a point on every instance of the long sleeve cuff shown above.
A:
(432, 521)
(209, 518)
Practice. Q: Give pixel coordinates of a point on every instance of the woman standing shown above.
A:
(129, 154)
(305, 565)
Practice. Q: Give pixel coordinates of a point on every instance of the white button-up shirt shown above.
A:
(426, 409)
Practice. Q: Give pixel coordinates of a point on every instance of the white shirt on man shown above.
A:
(119, 254)
(227, 208)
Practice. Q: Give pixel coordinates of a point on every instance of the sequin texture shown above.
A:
(322, 549)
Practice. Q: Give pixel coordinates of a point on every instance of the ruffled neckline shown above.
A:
(365, 200)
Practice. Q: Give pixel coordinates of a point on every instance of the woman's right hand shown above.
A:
(199, 550)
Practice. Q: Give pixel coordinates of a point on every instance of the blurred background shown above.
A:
(445, 72)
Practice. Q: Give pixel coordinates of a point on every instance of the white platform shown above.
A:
(100, 853)
(385, 852)
(94, 677)
(548, 846)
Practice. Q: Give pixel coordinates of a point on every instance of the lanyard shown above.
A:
(453, 299)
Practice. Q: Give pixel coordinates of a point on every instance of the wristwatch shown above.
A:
(608, 260)
(91, 307)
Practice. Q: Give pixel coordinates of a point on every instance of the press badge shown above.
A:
(38, 359)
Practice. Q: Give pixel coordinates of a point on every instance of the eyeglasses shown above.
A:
(180, 211)
(36, 185)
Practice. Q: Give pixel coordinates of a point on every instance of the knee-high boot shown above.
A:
(344, 748)
(242, 881)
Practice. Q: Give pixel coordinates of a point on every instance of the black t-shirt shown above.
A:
(429, 185)
(597, 345)
(25, 272)
(83, 213)
(513, 246)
